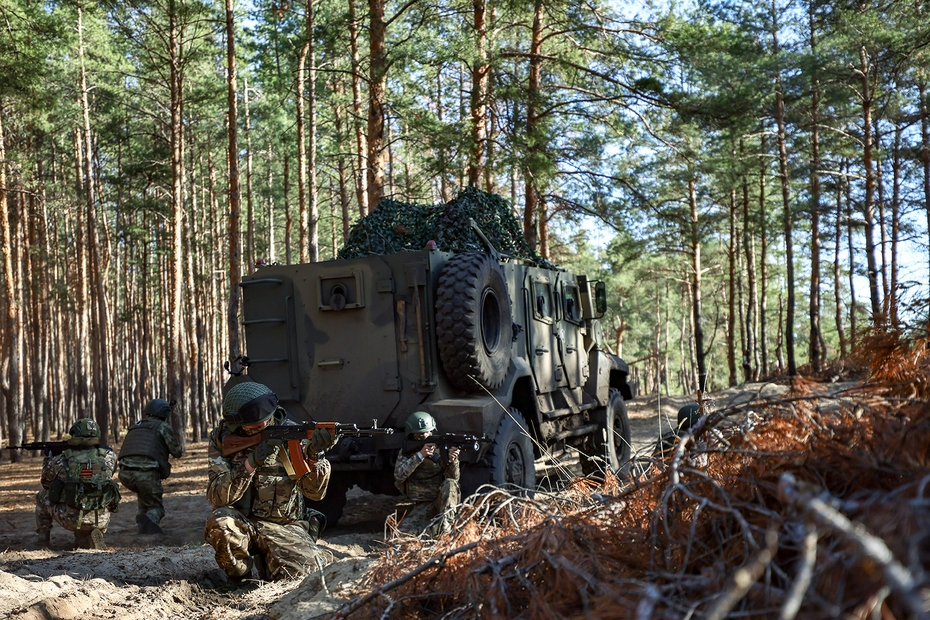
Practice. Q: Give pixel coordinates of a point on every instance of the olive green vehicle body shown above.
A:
(356, 341)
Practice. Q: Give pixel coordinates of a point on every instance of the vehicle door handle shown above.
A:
(570, 349)
(540, 350)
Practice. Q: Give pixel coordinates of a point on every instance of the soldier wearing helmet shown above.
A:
(427, 478)
(78, 491)
(258, 516)
(143, 462)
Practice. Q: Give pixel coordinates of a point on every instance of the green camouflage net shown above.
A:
(395, 226)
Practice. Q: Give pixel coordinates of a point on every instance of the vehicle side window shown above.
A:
(542, 292)
(572, 304)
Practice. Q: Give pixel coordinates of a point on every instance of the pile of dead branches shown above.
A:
(815, 505)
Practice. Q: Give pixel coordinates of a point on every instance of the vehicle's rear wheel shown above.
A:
(511, 454)
(473, 322)
(611, 447)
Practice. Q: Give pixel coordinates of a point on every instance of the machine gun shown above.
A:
(446, 441)
(48, 448)
(291, 436)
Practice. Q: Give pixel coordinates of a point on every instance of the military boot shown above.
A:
(147, 526)
(92, 539)
(44, 539)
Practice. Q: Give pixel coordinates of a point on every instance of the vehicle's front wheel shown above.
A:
(612, 446)
(511, 454)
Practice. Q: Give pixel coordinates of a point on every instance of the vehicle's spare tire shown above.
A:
(473, 322)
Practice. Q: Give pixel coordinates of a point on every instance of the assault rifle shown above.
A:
(292, 435)
(446, 441)
(48, 448)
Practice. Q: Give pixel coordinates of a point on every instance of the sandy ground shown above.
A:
(175, 575)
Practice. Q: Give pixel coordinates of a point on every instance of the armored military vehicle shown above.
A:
(489, 345)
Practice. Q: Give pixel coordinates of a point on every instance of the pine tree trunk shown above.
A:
(272, 254)
(751, 353)
(731, 291)
(176, 367)
(12, 341)
(531, 207)
(377, 86)
(896, 166)
(868, 208)
(763, 266)
(787, 215)
(361, 168)
(924, 140)
(232, 313)
(837, 288)
(696, 310)
(479, 96)
(249, 208)
(815, 350)
(313, 224)
(303, 220)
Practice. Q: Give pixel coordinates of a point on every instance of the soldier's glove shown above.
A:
(320, 441)
(264, 454)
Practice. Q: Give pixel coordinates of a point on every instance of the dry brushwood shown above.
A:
(813, 505)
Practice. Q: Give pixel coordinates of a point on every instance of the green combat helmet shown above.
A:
(248, 403)
(157, 408)
(84, 432)
(688, 416)
(420, 422)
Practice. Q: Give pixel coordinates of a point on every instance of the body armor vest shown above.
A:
(143, 439)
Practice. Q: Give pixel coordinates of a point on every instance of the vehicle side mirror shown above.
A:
(600, 298)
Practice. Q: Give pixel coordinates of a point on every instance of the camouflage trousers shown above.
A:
(421, 517)
(146, 483)
(286, 550)
(69, 518)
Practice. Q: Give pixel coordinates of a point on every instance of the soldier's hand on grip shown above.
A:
(427, 450)
(265, 453)
(453, 454)
(320, 441)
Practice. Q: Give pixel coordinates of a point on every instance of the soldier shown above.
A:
(143, 462)
(78, 490)
(427, 478)
(258, 506)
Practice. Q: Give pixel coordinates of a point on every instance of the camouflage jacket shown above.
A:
(266, 494)
(419, 478)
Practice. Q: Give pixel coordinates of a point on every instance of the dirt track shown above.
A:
(175, 575)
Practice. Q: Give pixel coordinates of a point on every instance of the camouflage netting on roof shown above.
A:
(395, 226)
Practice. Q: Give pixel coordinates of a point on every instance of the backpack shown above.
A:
(88, 485)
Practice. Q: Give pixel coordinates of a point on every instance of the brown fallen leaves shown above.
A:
(815, 505)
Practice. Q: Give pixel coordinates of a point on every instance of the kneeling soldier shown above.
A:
(78, 491)
(427, 478)
(143, 462)
(258, 516)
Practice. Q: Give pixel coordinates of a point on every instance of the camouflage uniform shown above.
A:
(433, 484)
(143, 464)
(82, 523)
(261, 513)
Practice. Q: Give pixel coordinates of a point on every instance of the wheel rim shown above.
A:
(514, 469)
(490, 321)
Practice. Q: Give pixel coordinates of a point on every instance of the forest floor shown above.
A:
(175, 576)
